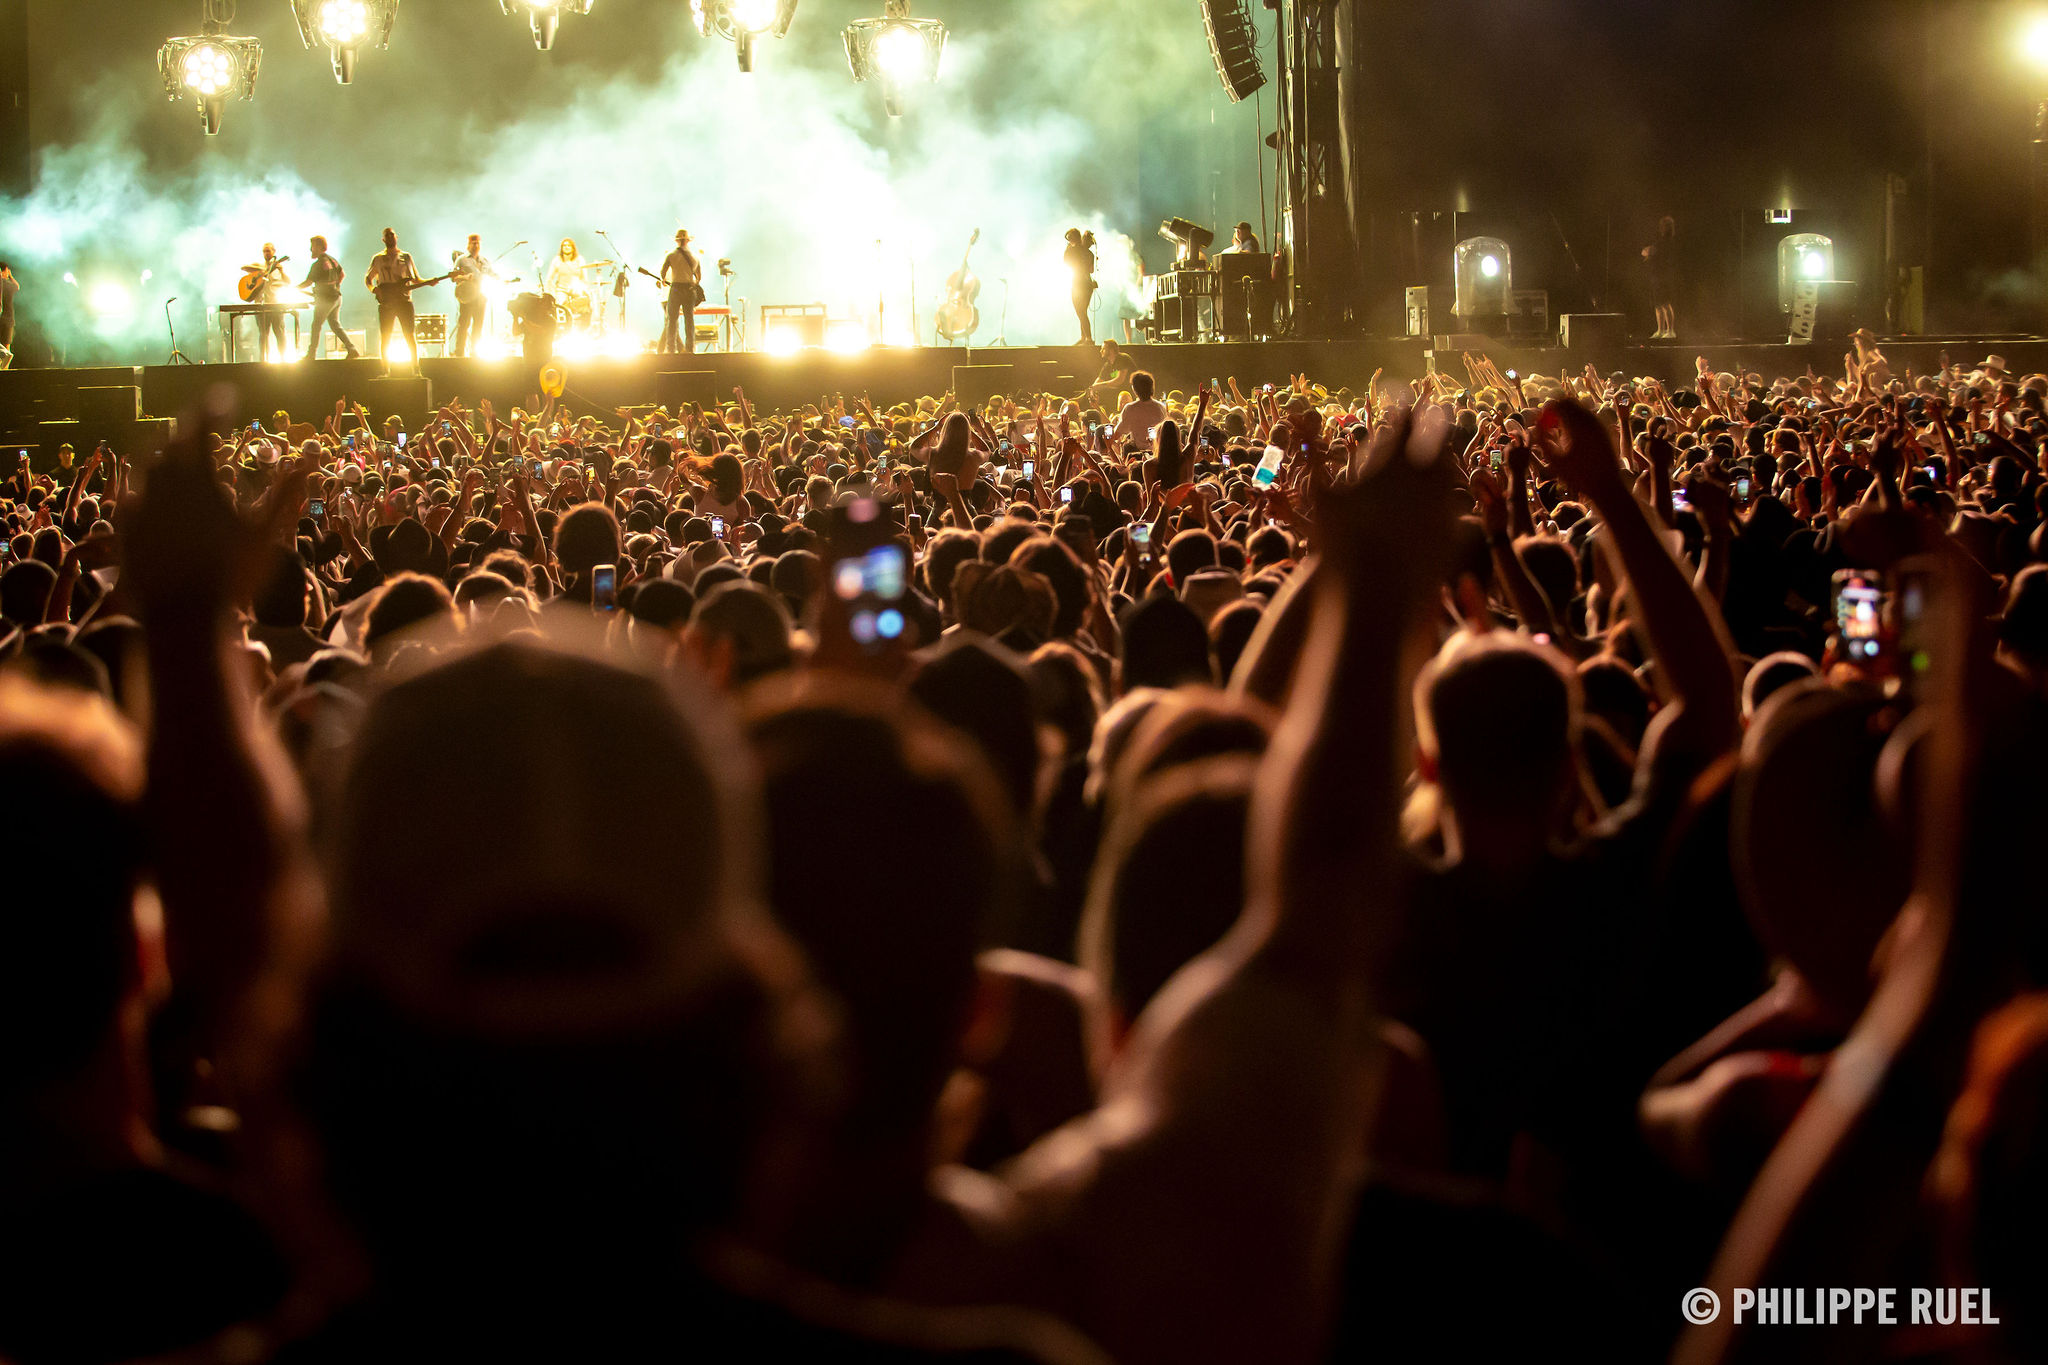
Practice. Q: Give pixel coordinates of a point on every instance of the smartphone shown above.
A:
(1495, 460)
(447, 428)
(1226, 459)
(1066, 495)
(317, 508)
(1934, 473)
(435, 462)
(1029, 466)
(1914, 578)
(401, 440)
(533, 468)
(604, 587)
(1859, 616)
(1742, 489)
(718, 528)
(847, 422)
(1141, 535)
(1679, 501)
(1982, 438)
(872, 585)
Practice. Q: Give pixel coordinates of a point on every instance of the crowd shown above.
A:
(1406, 872)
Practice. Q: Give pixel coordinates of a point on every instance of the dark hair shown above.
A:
(1164, 644)
(1142, 384)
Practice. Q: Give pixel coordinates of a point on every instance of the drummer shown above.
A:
(567, 279)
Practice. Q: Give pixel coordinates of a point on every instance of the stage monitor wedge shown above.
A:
(1234, 43)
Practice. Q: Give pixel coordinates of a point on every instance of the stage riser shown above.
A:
(28, 397)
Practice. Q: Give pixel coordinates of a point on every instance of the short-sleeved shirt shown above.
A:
(9, 287)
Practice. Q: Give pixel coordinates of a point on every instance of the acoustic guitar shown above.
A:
(958, 317)
(255, 277)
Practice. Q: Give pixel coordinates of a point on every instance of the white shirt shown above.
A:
(1141, 418)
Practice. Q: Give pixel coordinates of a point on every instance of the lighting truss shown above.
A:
(741, 22)
(344, 28)
(896, 51)
(545, 15)
(212, 66)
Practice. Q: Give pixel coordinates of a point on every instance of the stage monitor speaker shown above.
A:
(411, 398)
(1531, 315)
(1429, 307)
(976, 384)
(1590, 331)
(105, 406)
(1234, 44)
(1822, 310)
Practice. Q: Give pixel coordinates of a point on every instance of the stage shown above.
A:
(41, 409)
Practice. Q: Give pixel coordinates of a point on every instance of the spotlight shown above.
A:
(740, 22)
(2034, 42)
(896, 51)
(1803, 258)
(212, 66)
(783, 338)
(111, 305)
(1482, 273)
(1489, 266)
(545, 16)
(1191, 239)
(846, 336)
(345, 27)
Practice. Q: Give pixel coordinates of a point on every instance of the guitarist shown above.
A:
(472, 268)
(323, 279)
(261, 288)
(393, 279)
(684, 275)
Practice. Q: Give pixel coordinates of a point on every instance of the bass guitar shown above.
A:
(400, 291)
(958, 317)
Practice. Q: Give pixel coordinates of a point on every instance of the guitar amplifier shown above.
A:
(1189, 284)
(1428, 306)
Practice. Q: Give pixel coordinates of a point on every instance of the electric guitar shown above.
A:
(254, 278)
(958, 317)
(697, 294)
(401, 290)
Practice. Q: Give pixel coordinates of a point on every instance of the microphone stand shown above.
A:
(1003, 326)
(178, 357)
(622, 279)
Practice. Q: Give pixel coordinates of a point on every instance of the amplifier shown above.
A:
(1429, 307)
(1189, 284)
(1583, 330)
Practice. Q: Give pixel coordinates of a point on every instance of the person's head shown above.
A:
(1496, 717)
(1056, 564)
(584, 1012)
(1168, 883)
(728, 477)
(1821, 872)
(391, 239)
(1190, 552)
(841, 759)
(25, 590)
(1142, 385)
(73, 768)
(318, 246)
(740, 633)
(476, 244)
(6, 270)
(682, 237)
(280, 599)
(410, 605)
(1243, 232)
(269, 251)
(1164, 645)
(1230, 631)
(1770, 674)
(980, 688)
(567, 251)
(585, 537)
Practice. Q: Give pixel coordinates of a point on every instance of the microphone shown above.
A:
(171, 300)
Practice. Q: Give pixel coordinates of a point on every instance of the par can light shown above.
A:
(741, 22)
(896, 52)
(545, 16)
(212, 66)
(345, 28)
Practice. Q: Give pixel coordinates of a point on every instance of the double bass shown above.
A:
(958, 317)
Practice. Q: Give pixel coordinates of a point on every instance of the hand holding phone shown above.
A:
(604, 587)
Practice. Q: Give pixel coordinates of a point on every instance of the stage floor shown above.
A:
(38, 408)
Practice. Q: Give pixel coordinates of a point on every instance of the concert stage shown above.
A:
(40, 409)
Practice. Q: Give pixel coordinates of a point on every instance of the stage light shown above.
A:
(1804, 258)
(1190, 239)
(782, 338)
(398, 352)
(846, 337)
(212, 66)
(1482, 273)
(545, 16)
(2034, 42)
(740, 22)
(345, 27)
(71, 279)
(895, 51)
(148, 275)
(1234, 45)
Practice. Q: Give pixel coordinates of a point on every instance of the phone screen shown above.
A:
(1859, 615)
(1066, 495)
(604, 587)
(1141, 535)
(718, 528)
(873, 584)
(1679, 501)
(1028, 467)
(317, 508)
(401, 440)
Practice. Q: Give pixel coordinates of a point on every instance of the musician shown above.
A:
(567, 282)
(9, 287)
(323, 281)
(270, 277)
(472, 268)
(1080, 259)
(1243, 241)
(683, 273)
(392, 279)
